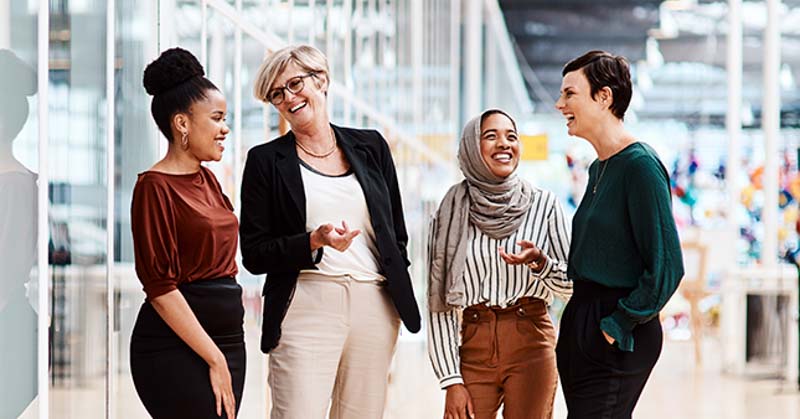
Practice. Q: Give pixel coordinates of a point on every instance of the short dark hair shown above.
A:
(176, 81)
(604, 69)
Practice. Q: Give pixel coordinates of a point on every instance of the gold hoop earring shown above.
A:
(185, 141)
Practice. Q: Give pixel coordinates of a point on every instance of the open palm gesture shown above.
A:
(339, 238)
(529, 254)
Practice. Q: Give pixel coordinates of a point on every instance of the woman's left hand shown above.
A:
(529, 253)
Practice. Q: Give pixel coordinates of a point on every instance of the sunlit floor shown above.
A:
(677, 390)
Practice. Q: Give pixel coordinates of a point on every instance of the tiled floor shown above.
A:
(677, 390)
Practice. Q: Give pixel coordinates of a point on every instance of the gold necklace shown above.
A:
(319, 156)
(597, 182)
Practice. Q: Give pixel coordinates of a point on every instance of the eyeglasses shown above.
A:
(294, 85)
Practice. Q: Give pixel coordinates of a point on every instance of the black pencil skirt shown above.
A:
(171, 379)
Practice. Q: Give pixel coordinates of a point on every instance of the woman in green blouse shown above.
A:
(625, 258)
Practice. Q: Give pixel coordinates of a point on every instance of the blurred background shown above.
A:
(715, 94)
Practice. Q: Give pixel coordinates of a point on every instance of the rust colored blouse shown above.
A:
(184, 229)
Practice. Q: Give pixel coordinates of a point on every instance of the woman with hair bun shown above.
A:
(187, 348)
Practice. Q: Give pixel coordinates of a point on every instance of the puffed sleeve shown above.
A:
(155, 245)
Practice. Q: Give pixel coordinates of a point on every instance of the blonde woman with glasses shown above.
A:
(323, 219)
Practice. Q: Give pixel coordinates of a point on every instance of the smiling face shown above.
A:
(499, 144)
(583, 112)
(206, 127)
(307, 106)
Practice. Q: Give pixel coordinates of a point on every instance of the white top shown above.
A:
(333, 199)
(492, 282)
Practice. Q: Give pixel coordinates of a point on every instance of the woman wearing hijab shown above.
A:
(498, 250)
(625, 257)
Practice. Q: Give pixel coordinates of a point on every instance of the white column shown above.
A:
(347, 73)
(733, 119)
(290, 35)
(329, 31)
(167, 33)
(216, 55)
(5, 24)
(455, 65)
(491, 79)
(793, 340)
(770, 120)
(418, 29)
(166, 39)
(112, 354)
(371, 43)
(312, 26)
(43, 339)
(238, 152)
(473, 57)
(204, 33)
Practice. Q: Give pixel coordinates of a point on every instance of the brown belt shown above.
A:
(521, 308)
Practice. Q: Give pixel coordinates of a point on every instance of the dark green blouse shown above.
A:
(624, 236)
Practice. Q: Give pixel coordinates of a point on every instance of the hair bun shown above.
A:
(16, 76)
(173, 67)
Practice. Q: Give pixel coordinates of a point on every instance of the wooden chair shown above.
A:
(693, 289)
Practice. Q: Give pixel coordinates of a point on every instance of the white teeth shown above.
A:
(297, 107)
(502, 157)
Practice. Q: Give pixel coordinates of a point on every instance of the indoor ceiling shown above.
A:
(677, 47)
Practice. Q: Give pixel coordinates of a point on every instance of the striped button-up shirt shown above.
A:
(491, 281)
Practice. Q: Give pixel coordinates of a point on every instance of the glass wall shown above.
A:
(19, 162)
(136, 147)
(395, 67)
(78, 195)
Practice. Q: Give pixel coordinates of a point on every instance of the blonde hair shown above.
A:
(306, 56)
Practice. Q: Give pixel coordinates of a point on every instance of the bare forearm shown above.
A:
(173, 308)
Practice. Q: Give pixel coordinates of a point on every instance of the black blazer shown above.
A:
(274, 239)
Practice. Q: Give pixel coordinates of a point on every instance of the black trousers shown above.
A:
(599, 380)
(171, 379)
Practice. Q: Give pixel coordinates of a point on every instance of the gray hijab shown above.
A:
(497, 206)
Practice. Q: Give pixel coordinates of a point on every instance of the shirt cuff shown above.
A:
(620, 327)
(545, 272)
(451, 380)
(316, 256)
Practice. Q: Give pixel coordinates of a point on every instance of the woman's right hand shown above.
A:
(530, 253)
(458, 403)
(221, 384)
(338, 238)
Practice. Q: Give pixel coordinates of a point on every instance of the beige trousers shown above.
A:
(336, 346)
